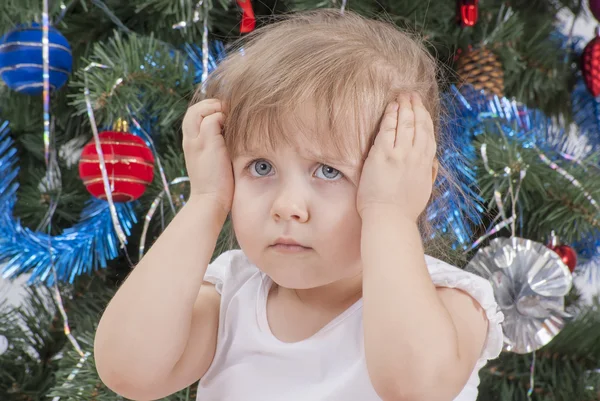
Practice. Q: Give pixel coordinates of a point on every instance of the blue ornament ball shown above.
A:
(21, 63)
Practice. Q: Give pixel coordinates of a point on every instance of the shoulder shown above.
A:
(445, 275)
(231, 269)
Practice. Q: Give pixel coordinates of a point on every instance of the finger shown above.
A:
(405, 131)
(195, 114)
(212, 125)
(387, 129)
(211, 128)
(424, 139)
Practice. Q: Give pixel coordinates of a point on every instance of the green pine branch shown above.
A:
(85, 301)
(547, 200)
(86, 385)
(564, 369)
(34, 337)
(143, 77)
(15, 12)
(35, 194)
(538, 71)
(156, 83)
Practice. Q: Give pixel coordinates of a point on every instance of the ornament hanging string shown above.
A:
(64, 9)
(163, 176)
(46, 82)
(155, 203)
(567, 176)
(570, 37)
(67, 330)
(51, 169)
(196, 18)
(74, 372)
(514, 194)
(204, 47)
(531, 377)
(491, 232)
(61, 308)
(107, 187)
(101, 6)
(51, 183)
(118, 229)
(111, 16)
(502, 213)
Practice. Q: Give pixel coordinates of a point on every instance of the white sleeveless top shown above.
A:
(251, 364)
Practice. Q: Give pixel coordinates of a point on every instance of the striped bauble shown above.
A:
(21, 63)
(129, 166)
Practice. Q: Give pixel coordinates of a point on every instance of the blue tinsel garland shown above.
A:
(80, 249)
(91, 242)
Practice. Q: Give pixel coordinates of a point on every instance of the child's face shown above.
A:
(284, 193)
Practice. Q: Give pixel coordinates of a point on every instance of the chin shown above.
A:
(292, 273)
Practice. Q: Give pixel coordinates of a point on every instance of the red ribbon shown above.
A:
(248, 19)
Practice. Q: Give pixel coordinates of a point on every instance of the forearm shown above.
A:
(409, 333)
(145, 327)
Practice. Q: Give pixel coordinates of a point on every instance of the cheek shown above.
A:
(341, 246)
(247, 209)
(347, 225)
(339, 221)
(247, 194)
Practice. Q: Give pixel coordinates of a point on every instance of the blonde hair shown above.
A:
(347, 66)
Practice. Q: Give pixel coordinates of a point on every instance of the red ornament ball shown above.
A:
(567, 255)
(467, 12)
(590, 66)
(595, 8)
(129, 165)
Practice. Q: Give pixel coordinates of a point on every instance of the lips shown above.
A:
(287, 241)
(288, 244)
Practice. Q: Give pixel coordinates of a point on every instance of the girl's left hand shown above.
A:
(400, 168)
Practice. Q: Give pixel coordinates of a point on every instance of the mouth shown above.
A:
(288, 246)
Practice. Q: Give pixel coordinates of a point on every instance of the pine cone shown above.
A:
(482, 69)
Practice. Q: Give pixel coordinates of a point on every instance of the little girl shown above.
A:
(319, 136)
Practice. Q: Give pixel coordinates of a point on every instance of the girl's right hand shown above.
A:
(206, 157)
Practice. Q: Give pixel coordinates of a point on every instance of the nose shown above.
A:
(290, 204)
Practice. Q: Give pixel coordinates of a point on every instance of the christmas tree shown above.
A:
(78, 76)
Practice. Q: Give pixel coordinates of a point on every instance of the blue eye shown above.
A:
(260, 168)
(328, 173)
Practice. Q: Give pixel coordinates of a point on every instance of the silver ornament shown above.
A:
(530, 282)
(3, 344)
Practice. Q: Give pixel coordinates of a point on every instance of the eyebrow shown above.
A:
(311, 156)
